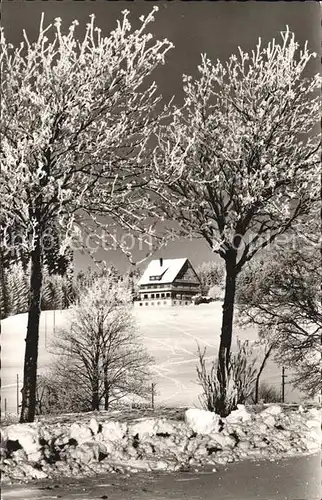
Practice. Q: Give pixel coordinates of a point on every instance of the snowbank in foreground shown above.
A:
(35, 451)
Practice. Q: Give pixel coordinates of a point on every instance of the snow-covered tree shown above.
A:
(99, 349)
(283, 298)
(10, 257)
(14, 258)
(77, 114)
(58, 292)
(210, 274)
(15, 281)
(238, 164)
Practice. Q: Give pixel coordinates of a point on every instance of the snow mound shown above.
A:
(272, 410)
(239, 415)
(202, 421)
(34, 451)
(152, 427)
(113, 431)
(25, 437)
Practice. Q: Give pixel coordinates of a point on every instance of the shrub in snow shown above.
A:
(243, 370)
(212, 396)
(200, 299)
(268, 393)
(240, 379)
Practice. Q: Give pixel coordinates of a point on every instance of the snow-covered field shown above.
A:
(170, 335)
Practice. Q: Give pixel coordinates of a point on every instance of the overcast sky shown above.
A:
(195, 27)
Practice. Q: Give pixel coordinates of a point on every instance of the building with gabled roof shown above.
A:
(168, 282)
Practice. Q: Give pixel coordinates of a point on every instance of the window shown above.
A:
(168, 294)
(147, 303)
(152, 295)
(174, 301)
(158, 303)
(187, 303)
(145, 296)
(152, 303)
(165, 302)
(157, 295)
(141, 304)
(162, 295)
(154, 278)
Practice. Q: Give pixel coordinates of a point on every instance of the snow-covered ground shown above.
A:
(78, 448)
(170, 335)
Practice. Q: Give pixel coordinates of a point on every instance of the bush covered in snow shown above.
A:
(240, 375)
(216, 292)
(201, 299)
(269, 393)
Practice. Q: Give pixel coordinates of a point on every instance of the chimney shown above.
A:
(161, 261)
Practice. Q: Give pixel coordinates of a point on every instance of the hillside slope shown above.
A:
(170, 335)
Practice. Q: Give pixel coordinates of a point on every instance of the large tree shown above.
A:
(76, 119)
(238, 164)
(99, 349)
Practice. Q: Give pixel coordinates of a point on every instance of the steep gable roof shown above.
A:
(166, 273)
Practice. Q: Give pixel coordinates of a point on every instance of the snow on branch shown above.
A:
(241, 155)
(78, 118)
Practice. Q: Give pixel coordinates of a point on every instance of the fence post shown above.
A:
(152, 394)
(17, 393)
(5, 407)
(283, 384)
(45, 314)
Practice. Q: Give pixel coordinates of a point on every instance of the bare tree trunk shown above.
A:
(96, 380)
(226, 329)
(95, 393)
(4, 290)
(106, 387)
(131, 276)
(107, 397)
(28, 405)
(260, 372)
